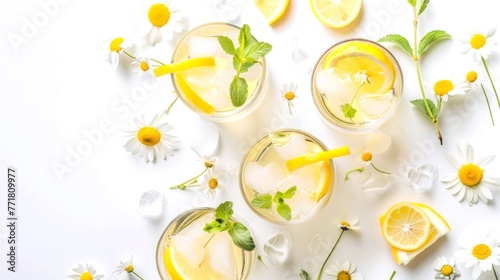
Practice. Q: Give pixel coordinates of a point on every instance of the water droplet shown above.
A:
(277, 247)
(377, 184)
(151, 204)
(421, 178)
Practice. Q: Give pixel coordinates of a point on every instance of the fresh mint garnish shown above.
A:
(239, 233)
(245, 56)
(304, 275)
(265, 201)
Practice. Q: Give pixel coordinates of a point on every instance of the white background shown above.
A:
(56, 87)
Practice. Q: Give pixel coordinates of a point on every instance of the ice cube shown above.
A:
(194, 231)
(302, 204)
(151, 204)
(193, 253)
(338, 90)
(206, 141)
(223, 79)
(306, 177)
(378, 184)
(253, 73)
(216, 98)
(200, 78)
(299, 56)
(375, 106)
(296, 146)
(200, 46)
(220, 256)
(378, 142)
(228, 10)
(421, 178)
(263, 179)
(277, 247)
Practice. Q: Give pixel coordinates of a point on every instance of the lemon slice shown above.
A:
(183, 65)
(192, 96)
(273, 10)
(306, 159)
(336, 14)
(356, 57)
(324, 181)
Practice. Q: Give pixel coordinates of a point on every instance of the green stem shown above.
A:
(157, 61)
(129, 55)
(385, 172)
(192, 180)
(392, 275)
(262, 261)
(494, 272)
(323, 266)
(209, 240)
(491, 81)
(137, 275)
(489, 108)
(346, 177)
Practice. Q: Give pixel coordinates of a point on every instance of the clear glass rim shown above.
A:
(349, 128)
(325, 199)
(237, 112)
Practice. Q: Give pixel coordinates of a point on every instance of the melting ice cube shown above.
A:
(220, 256)
(299, 56)
(277, 247)
(200, 46)
(295, 146)
(151, 204)
(378, 184)
(375, 106)
(338, 90)
(263, 179)
(206, 141)
(228, 10)
(421, 178)
(216, 98)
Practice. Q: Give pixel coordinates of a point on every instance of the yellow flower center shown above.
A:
(213, 183)
(208, 164)
(477, 41)
(481, 251)
(446, 270)
(149, 136)
(443, 87)
(471, 76)
(144, 66)
(115, 45)
(470, 175)
(345, 224)
(129, 268)
(159, 14)
(344, 275)
(290, 95)
(86, 276)
(367, 156)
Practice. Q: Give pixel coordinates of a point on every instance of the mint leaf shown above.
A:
(227, 45)
(423, 6)
(238, 91)
(348, 110)
(258, 50)
(245, 37)
(247, 64)
(419, 103)
(412, 2)
(242, 237)
(430, 38)
(224, 211)
(262, 201)
(284, 210)
(304, 275)
(217, 225)
(399, 41)
(278, 196)
(290, 192)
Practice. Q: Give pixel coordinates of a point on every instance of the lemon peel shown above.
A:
(192, 96)
(309, 158)
(336, 14)
(273, 10)
(183, 65)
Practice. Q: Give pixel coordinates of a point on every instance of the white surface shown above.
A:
(56, 87)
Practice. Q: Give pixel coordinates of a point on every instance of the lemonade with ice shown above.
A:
(273, 191)
(187, 251)
(233, 82)
(357, 85)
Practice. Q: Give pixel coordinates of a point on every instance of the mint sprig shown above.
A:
(240, 234)
(245, 56)
(265, 201)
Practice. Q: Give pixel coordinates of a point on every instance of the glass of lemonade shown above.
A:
(180, 253)
(264, 172)
(212, 83)
(357, 86)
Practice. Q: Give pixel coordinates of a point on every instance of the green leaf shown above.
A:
(227, 45)
(224, 211)
(242, 237)
(290, 192)
(262, 201)
(258, 50)
(348, 110)
(285, 211)
(412, 2)
(238, 91)
(430, 38)
(423, 6)
(399, 41)
(245, 37)
(419, 103)
(277, 197)
(247, 64)
(304, 275)
(217, 225)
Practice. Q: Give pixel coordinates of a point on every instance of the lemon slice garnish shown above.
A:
(336, 14)
(273, 10)
(183, 65)
(309, 158)
(192, 96)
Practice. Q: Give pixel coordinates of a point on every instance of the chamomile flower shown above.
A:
(445, 269)
(85, 272)
(343, 271)
(116, 47)
(376, 143)
(349, 224)
(126, 266)
(474, 83)
(478, 42)
(214, 182)
(445, 88)
(163, 18)
(479, 250)
(151, 140)
(288, 94)
(471, 181)
(142, 65)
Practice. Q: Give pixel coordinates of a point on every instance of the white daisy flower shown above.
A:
(214, 182)
(142, 65)
(162, 19)
(478, 42)
(471, 181)
(348, 224)
(116, 47)
(472, 78)
(288, 94)
(341, 271)
(479, 250)
(126, 266)
(445, 269)
(85, 272)
(445, 88)
(150, 140)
